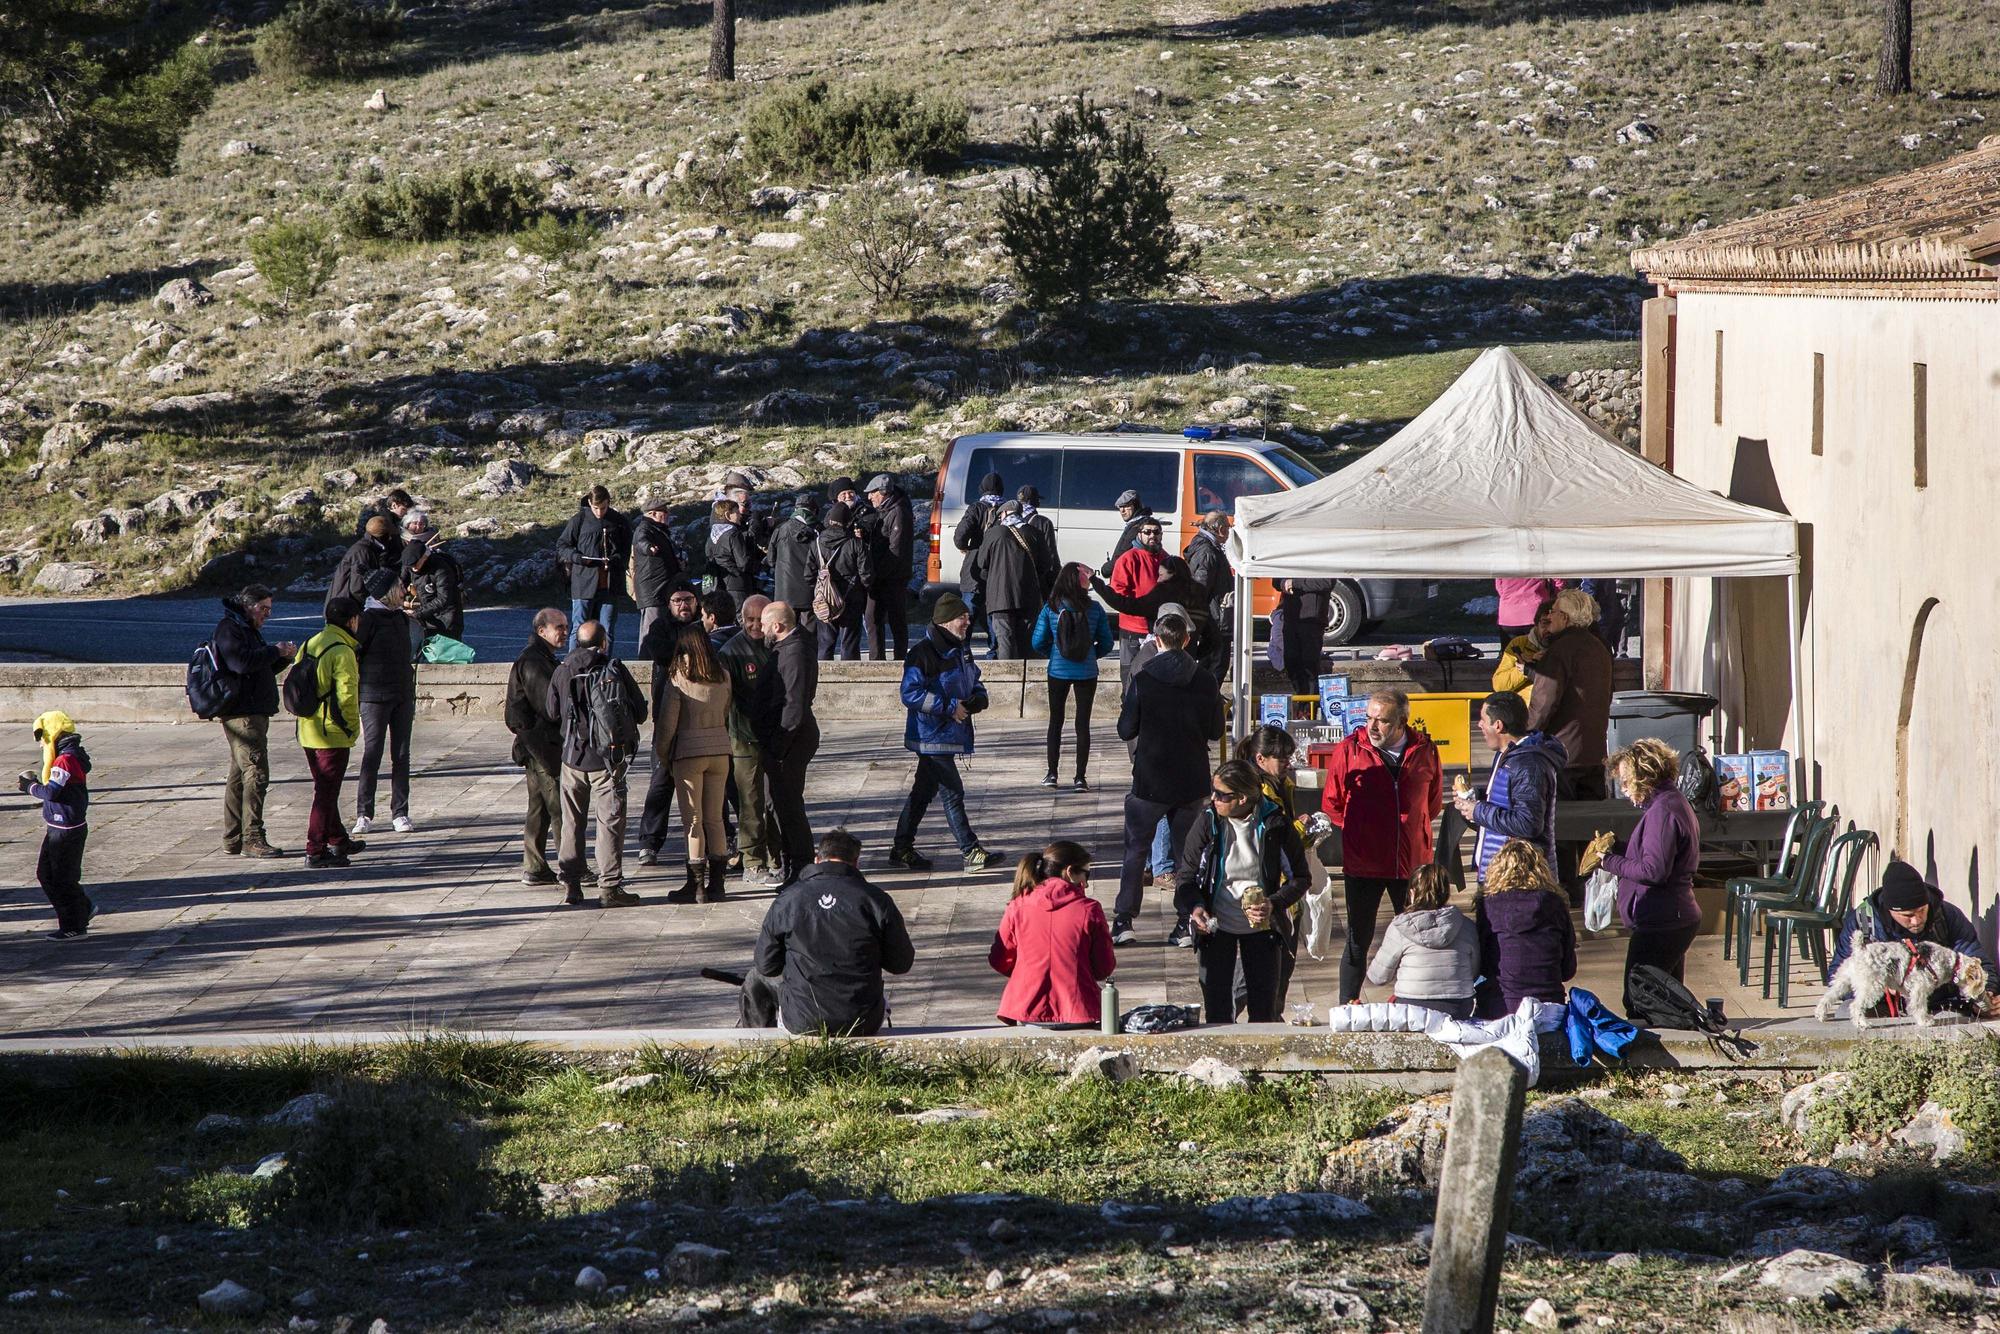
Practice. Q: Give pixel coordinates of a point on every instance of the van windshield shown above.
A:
(1294, 466)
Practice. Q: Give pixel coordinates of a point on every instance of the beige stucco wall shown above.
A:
(1877, 550)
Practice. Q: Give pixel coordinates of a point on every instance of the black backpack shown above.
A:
(210, 687)
(1073, 637)
(302, 695)
(1697, 781)
(613, 731)
(1659, 1001)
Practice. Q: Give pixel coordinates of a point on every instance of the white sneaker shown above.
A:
(402, 825)
(362, 825)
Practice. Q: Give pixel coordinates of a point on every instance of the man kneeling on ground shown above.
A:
(1908, 909)
(826, 942)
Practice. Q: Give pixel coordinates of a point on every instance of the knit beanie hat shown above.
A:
(839, 484)
(949, 608)
(990, 485)
(1902, 888)
(838, 515)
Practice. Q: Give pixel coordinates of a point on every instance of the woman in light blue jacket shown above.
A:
(1074, 631)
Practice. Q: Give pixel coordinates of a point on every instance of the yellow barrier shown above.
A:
(1448, 718)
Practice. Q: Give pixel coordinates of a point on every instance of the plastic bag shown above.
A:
(1600, 900)
(1317, 937)
(443, 648)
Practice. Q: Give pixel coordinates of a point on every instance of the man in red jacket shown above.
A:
(1133, 575)
(1384, 788)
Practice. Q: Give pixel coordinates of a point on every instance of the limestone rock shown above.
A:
(183, 502)
(627, 1084)
(1238, 1210)
(790, 405)
(240, 148)
(1337, 1305)
(692, 1262)
(774, 198)
(1103, 1063)
(169, 372)
(1796, 1108)
(503, 477)
(1932, 1131)
(939, 1116)
(1638, 132)
(64, 576)
(1216, 1073)
(379, 101)
(591, 1279)
(298, 498)
(302, 1111)
(778, 240)
(1816, 1276)
(217, 1123)
(182, 295)
(1541, 1314)
(344, 479)
(230, 1298)
(68, 441)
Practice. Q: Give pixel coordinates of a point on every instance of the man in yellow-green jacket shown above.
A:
(329, 728)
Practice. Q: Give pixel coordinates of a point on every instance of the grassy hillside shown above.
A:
(1375, 187)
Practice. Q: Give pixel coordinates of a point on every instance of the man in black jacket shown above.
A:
(1173, 715)
(1048, 564)
(392, 507)
(1135, 513)
(241, 652)
(593, 777)
(893, 531)
(1008, 569)
(970, 534)
(824, 946)
(538, 740)
(388, 701)
(792, 545)
(370, 552)
(656, 814)
(843, 552)
(1305, 604)
(1208, 572)
(594, 547)
(656, 568)
(732, 557)
(432, 573)
(788, 733)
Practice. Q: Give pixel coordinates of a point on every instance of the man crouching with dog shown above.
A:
(1912, 919)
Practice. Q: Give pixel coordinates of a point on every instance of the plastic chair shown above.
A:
(1797, 892)
(1835, 897)
(1740, 886)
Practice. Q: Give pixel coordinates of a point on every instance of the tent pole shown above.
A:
(1799, 695)
(1245, 651)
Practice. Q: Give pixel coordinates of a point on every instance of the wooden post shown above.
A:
(1475, 1195)
(1656, 433)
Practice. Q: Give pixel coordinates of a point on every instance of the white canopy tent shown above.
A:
(1501, 476)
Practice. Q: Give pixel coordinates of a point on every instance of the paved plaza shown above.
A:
(434, 928)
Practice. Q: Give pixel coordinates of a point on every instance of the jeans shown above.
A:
(889, 617)
(1059, 693)
(544, 813)
(390, 719)
(937, 775)
(785, 774)
(599, 792)
(1216, 955)
(1364, 900)
(658, 811)
(323, 826)
(753, 812)
(1128, 644)
(1160, 857)
(1010, 634)
(1665, 950)
(249, 779)
(602, 609)
(699, 782)
(1142, 819)
(60, 871)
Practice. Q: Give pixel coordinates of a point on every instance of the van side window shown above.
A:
(1018, 467)
(1093, 478)
(1220, 480)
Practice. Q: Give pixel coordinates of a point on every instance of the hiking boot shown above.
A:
(233, 849)
(979, 859)
(686, 891)
(324, 860)
(909, 859)
(1122, 932)
(574, 897)
(617, 898)
(710, 890)
(648, 857)
(257, 847)
(350, 846)
(363, 824)
(542, 877)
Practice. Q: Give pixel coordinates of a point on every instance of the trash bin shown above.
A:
(1675, 717)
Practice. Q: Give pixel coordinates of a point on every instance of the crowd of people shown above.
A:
(728, 682)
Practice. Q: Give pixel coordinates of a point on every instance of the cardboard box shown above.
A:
(1332, 697)
(1734, 775)
(1274, 709)
(1773, 772)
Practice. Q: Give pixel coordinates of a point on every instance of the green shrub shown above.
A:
(389, 1155)
(1893, 1079)
(1097, 220)
(557, 240)
(472, 201)
(879, 239)
(294, 259)
(815, 130)
(328, 39)
(713, 183)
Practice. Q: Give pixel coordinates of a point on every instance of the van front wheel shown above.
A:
(1346, 613)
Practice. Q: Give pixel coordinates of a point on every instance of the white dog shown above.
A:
(1885, 968)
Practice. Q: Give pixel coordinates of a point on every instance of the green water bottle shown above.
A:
(1107, 1003)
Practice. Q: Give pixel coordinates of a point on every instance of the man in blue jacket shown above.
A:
(1906, 908)
(1520, 799)
(941, 690)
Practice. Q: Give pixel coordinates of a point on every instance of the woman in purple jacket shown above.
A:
(1527, 943)
(1655, 866)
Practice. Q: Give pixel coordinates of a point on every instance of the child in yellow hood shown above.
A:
(65, 796)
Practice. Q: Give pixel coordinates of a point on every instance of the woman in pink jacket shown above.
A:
(1520, 600)
(1053, 945)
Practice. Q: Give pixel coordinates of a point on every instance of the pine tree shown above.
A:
(722, 42)
(92, 91)
(1892, 70)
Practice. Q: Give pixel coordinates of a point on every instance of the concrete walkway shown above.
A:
(433, 929)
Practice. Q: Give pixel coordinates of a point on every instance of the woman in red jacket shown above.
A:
(1053, 945)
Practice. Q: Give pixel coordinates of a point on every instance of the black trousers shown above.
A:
(1457, 1009)
(842, 638)
(656, 816)
(889, 617)
(1216, 956)
(785, 775)
(60, 871)
(1587, 784)
(1364, 900)
(1665, 950)
(1009, 630)
(390, 720)
(1142, 818)
(1305, 646)
(1059, 694)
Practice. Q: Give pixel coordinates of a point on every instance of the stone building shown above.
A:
(1840, 361)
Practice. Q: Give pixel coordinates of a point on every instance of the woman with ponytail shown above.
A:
(1054, 945)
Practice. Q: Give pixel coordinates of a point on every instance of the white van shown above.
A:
(1179, 477)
